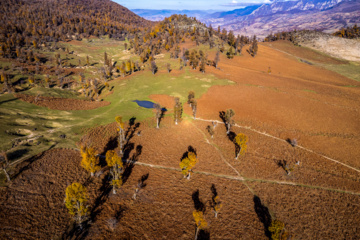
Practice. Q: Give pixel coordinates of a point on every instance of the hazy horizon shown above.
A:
(202, 5)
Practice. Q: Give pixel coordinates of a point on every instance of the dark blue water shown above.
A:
(147, 104)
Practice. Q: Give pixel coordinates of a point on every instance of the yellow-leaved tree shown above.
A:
(241, 144)
(200, 222)
(217, 205)
(277, 229)
(75, 201)
(90, 160)
(116, 169)
(121, 131)
(188, 163)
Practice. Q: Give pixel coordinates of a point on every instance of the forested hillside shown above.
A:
(40, 21)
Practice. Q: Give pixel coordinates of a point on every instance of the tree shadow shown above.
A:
(281, 163)
(26, 163)
(142, 180)
(129, 134)
(162, 115)
(203, 235)
(222, 116)
(17, 154)
(186, 154)
(292, 142)
(129, 165)
(101, 199)
(127, 150)
(231, 136)
(214, 192)
(76, 232)
(263, 214)
(198, 204)
(111, 145)
(120, 212)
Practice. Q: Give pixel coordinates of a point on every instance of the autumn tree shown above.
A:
(193, 104)
(277, 230)
(116, 169)
(202, 66)
(217, 59)
(228, 119)
(230, 53)
(157, 114)
(153, 67)
(200, 222)
(210, 130)
(90, 160)
(121, 133)
(254, 47)
(4, 163)
(168, 67)
(216, 205)
(188, 163)
(241, 144)
(76, 202)
(47, 81)
(177, 110)
(140, 185)
(191, 95)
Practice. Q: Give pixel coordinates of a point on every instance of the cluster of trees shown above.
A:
(253, 49)
(349, 32)
(279, 36)
(76, 194)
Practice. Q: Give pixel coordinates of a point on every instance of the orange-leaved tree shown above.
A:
(75, 201)
(116, 169)
(200, 222)
(90, 160)
(241, 144)
(188, 163)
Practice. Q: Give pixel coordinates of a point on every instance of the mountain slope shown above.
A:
(49, 20)
(235, 13)
(285, 16)
(294, 6)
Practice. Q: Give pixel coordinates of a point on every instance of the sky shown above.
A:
(189, 4)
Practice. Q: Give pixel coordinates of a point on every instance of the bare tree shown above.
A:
(193, 104)
(228, 119)
(177, 110)
(191, 95)
(158, 114)
(210, 130)
(153, 67)
(217, 59)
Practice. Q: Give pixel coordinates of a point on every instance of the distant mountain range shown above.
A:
(159, 15)
(279, 15)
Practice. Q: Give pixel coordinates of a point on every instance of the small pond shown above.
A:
(147, 104)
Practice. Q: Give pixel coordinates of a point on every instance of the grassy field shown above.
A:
(46, 128)
(350, 70)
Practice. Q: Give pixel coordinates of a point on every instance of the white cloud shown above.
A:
(234, 1)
